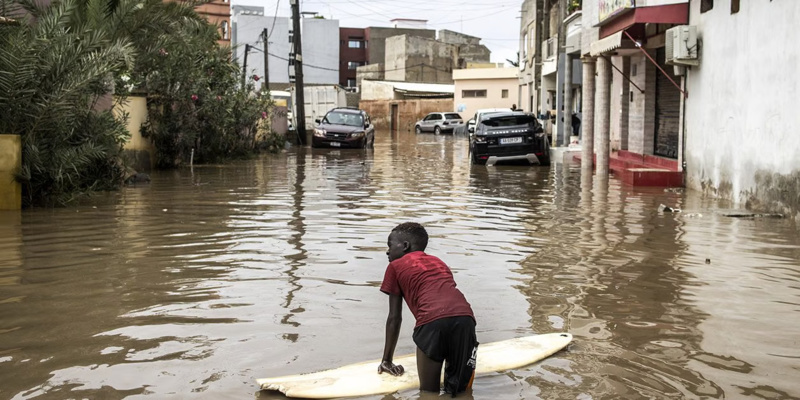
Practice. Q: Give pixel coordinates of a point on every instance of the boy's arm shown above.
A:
(393, 322)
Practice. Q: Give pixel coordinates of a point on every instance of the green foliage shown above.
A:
(574, 5)
(66, 59)
(52, 74)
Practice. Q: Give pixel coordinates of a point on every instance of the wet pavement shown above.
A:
(194, 285)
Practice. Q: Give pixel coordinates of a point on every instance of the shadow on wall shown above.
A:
(409, 111)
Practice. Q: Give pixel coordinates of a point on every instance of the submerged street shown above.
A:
(196, 284)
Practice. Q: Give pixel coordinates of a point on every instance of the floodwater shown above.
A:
(196, 284)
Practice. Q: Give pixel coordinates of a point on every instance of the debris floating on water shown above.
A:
(663, 208)
(753, 215)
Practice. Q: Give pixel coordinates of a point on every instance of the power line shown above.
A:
(275, 18)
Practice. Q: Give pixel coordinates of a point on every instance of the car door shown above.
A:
(437, 121)
(427, 123)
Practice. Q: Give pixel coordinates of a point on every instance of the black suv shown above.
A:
(344, 127)
(509, 136)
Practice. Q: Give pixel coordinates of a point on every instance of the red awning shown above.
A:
(677, 14)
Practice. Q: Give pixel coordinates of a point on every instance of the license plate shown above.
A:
(336, 144)
(510, 140)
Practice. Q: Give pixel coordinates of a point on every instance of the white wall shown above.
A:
(320, 48)
(742, 111)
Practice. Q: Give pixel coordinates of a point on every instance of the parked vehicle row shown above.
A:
(495, 135)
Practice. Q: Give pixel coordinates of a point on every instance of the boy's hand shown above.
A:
(387, 366)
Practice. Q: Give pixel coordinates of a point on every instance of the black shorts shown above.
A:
(452, 340)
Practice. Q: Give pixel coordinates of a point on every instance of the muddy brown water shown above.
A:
(192, 286)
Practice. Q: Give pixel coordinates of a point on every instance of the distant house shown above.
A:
(218, 13)
(484, 88)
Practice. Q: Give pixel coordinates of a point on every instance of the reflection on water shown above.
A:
(205, 279)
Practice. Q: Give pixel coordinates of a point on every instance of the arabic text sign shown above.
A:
(609, 8)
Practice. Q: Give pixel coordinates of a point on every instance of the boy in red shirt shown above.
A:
(445, 323)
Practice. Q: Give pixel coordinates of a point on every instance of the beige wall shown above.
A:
(494, 91)
(10, 163)
(139, 149)
(408, 111)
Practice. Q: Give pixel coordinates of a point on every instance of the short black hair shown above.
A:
(414, 233)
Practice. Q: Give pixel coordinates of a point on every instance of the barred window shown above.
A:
(473, 93)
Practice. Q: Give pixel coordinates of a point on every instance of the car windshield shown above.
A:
(340, 118)
(452, 116)
(510, 120)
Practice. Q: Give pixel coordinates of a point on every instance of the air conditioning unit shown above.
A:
(681, 45)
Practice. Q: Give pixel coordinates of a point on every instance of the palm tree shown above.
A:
(50, 74)
(513, 63)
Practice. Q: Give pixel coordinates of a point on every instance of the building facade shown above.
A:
(740, 135)
(480, 88)
(352, 54)
(218, 13)
(683, 84)
(320, 47)
(418, 59)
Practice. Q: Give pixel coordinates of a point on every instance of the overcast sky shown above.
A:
(496, 22)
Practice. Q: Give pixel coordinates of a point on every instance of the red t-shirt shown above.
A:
(428, 287)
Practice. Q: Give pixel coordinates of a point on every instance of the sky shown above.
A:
(496, 22)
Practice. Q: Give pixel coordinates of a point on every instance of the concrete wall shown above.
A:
(452, 37)
(376, 90)
(370, 72)
(376, 37)
(741, 114)
(409, 111)
(10, 163)
(139, 151)
(416, 59)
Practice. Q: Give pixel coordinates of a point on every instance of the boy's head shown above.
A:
(406, 238)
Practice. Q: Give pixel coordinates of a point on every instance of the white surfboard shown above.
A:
(362, 379)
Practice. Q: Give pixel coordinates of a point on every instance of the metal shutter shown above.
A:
(668, 104)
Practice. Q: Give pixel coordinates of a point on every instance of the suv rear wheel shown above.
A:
(437, 131)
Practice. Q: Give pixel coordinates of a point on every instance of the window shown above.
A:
(353, 64)
(225, 30)
(473, 93)
(504, 94)
(351, 82)
(452, 116)
(524, 45)
(706, 5)
(734, 6)
(355, 44)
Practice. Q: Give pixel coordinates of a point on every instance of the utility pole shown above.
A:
(266, 61)
(300, 104)
(244, 66)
